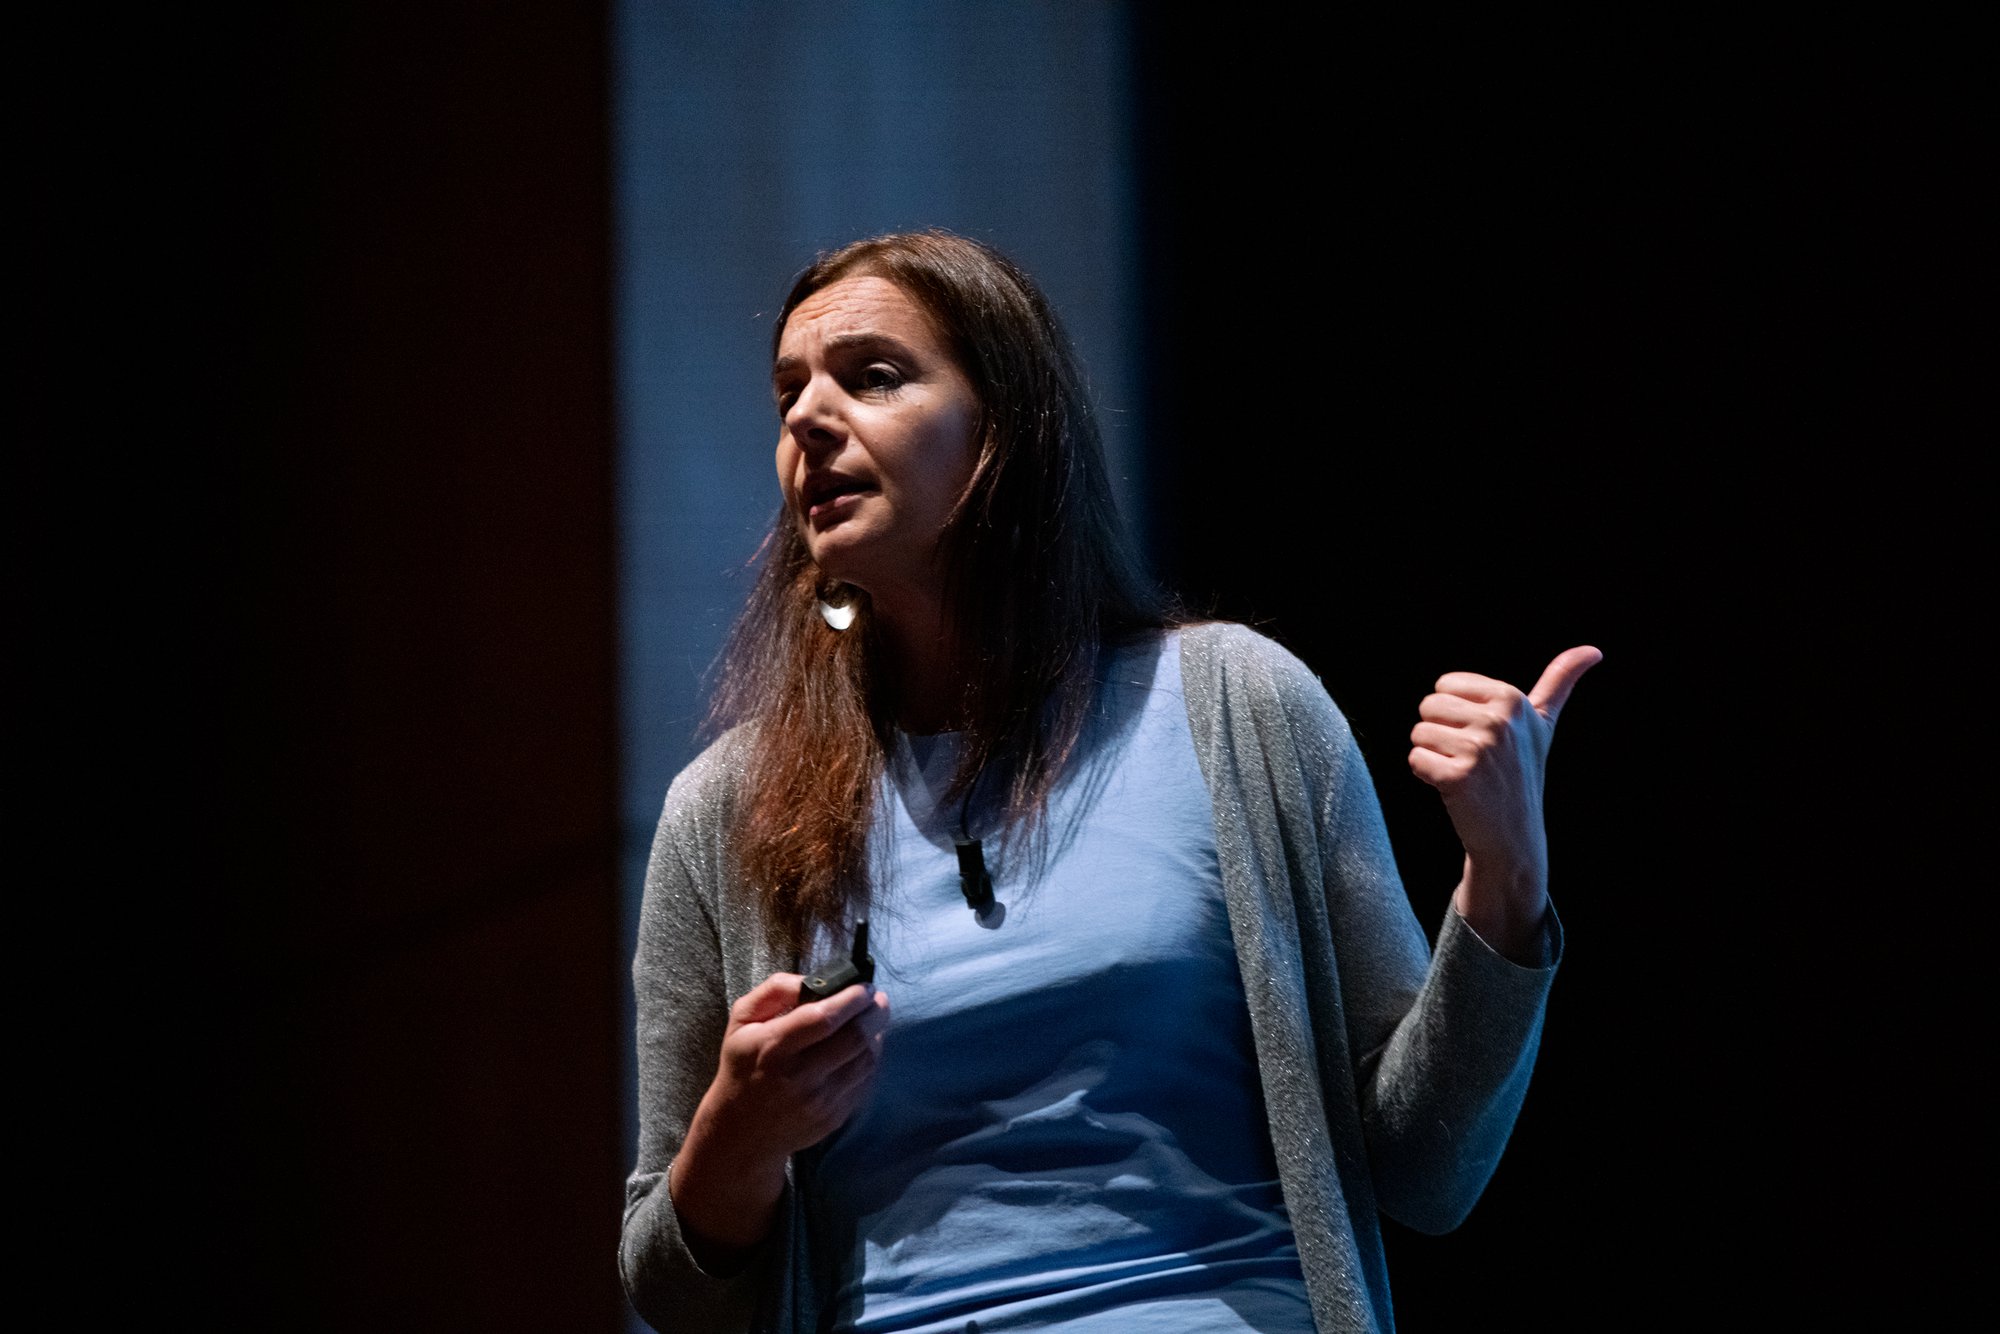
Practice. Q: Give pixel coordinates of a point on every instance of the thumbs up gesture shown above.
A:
(1484, 745)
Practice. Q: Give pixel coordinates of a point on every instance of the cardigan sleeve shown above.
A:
(1439, 1044)
(1446, 1087)
(682, 1004)
(1443, 1041)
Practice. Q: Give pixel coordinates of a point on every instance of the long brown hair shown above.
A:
(1039, 575)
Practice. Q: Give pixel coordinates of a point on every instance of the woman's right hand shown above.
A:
(789, 1076)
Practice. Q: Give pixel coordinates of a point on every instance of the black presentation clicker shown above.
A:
(841, 974)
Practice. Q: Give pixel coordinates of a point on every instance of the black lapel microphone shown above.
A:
(973, 882)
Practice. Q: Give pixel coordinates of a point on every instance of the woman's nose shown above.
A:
(814, 420)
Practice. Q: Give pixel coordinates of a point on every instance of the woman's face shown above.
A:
(877, 440)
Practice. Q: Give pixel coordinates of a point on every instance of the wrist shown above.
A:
(1504, 906)
(725, 1191)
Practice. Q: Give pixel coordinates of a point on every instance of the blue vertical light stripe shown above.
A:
(747, 137)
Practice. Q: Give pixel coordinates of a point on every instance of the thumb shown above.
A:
(775, 995)
(1560, 677)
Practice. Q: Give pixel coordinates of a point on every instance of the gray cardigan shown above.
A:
(1391, 1077)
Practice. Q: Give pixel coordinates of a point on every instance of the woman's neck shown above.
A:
(930, 689)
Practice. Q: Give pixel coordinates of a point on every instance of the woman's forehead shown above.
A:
(860, 304)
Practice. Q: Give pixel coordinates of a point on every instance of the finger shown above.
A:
(1473, 686)
(867, 1028)
(816, 1021)
(858, 1040)
(1440, 771)
(1444, 740)
(1452, 709)
(852, 1043)
(875, 1019)
(851, 1082)
(1551, 692)
(775, 995)
(841, 1096)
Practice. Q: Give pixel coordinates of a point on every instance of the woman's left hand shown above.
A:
(1484, 746)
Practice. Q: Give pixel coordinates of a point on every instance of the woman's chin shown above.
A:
(842, 555)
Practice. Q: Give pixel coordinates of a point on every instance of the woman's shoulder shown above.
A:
(1243, 664)
(1245, 691)
(1251, 700)
(1231, 638)
(711, 781)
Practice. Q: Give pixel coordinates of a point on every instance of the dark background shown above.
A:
(1657, 338)
(1646, 339)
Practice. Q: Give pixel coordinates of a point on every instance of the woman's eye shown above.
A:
(881, 378)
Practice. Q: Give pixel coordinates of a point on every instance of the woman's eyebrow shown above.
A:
(864, 340)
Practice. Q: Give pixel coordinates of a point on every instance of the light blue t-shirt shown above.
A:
(1068, 1128)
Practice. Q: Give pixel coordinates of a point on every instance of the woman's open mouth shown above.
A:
(830, 494)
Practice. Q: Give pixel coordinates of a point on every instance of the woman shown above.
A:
(1192, 1041)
